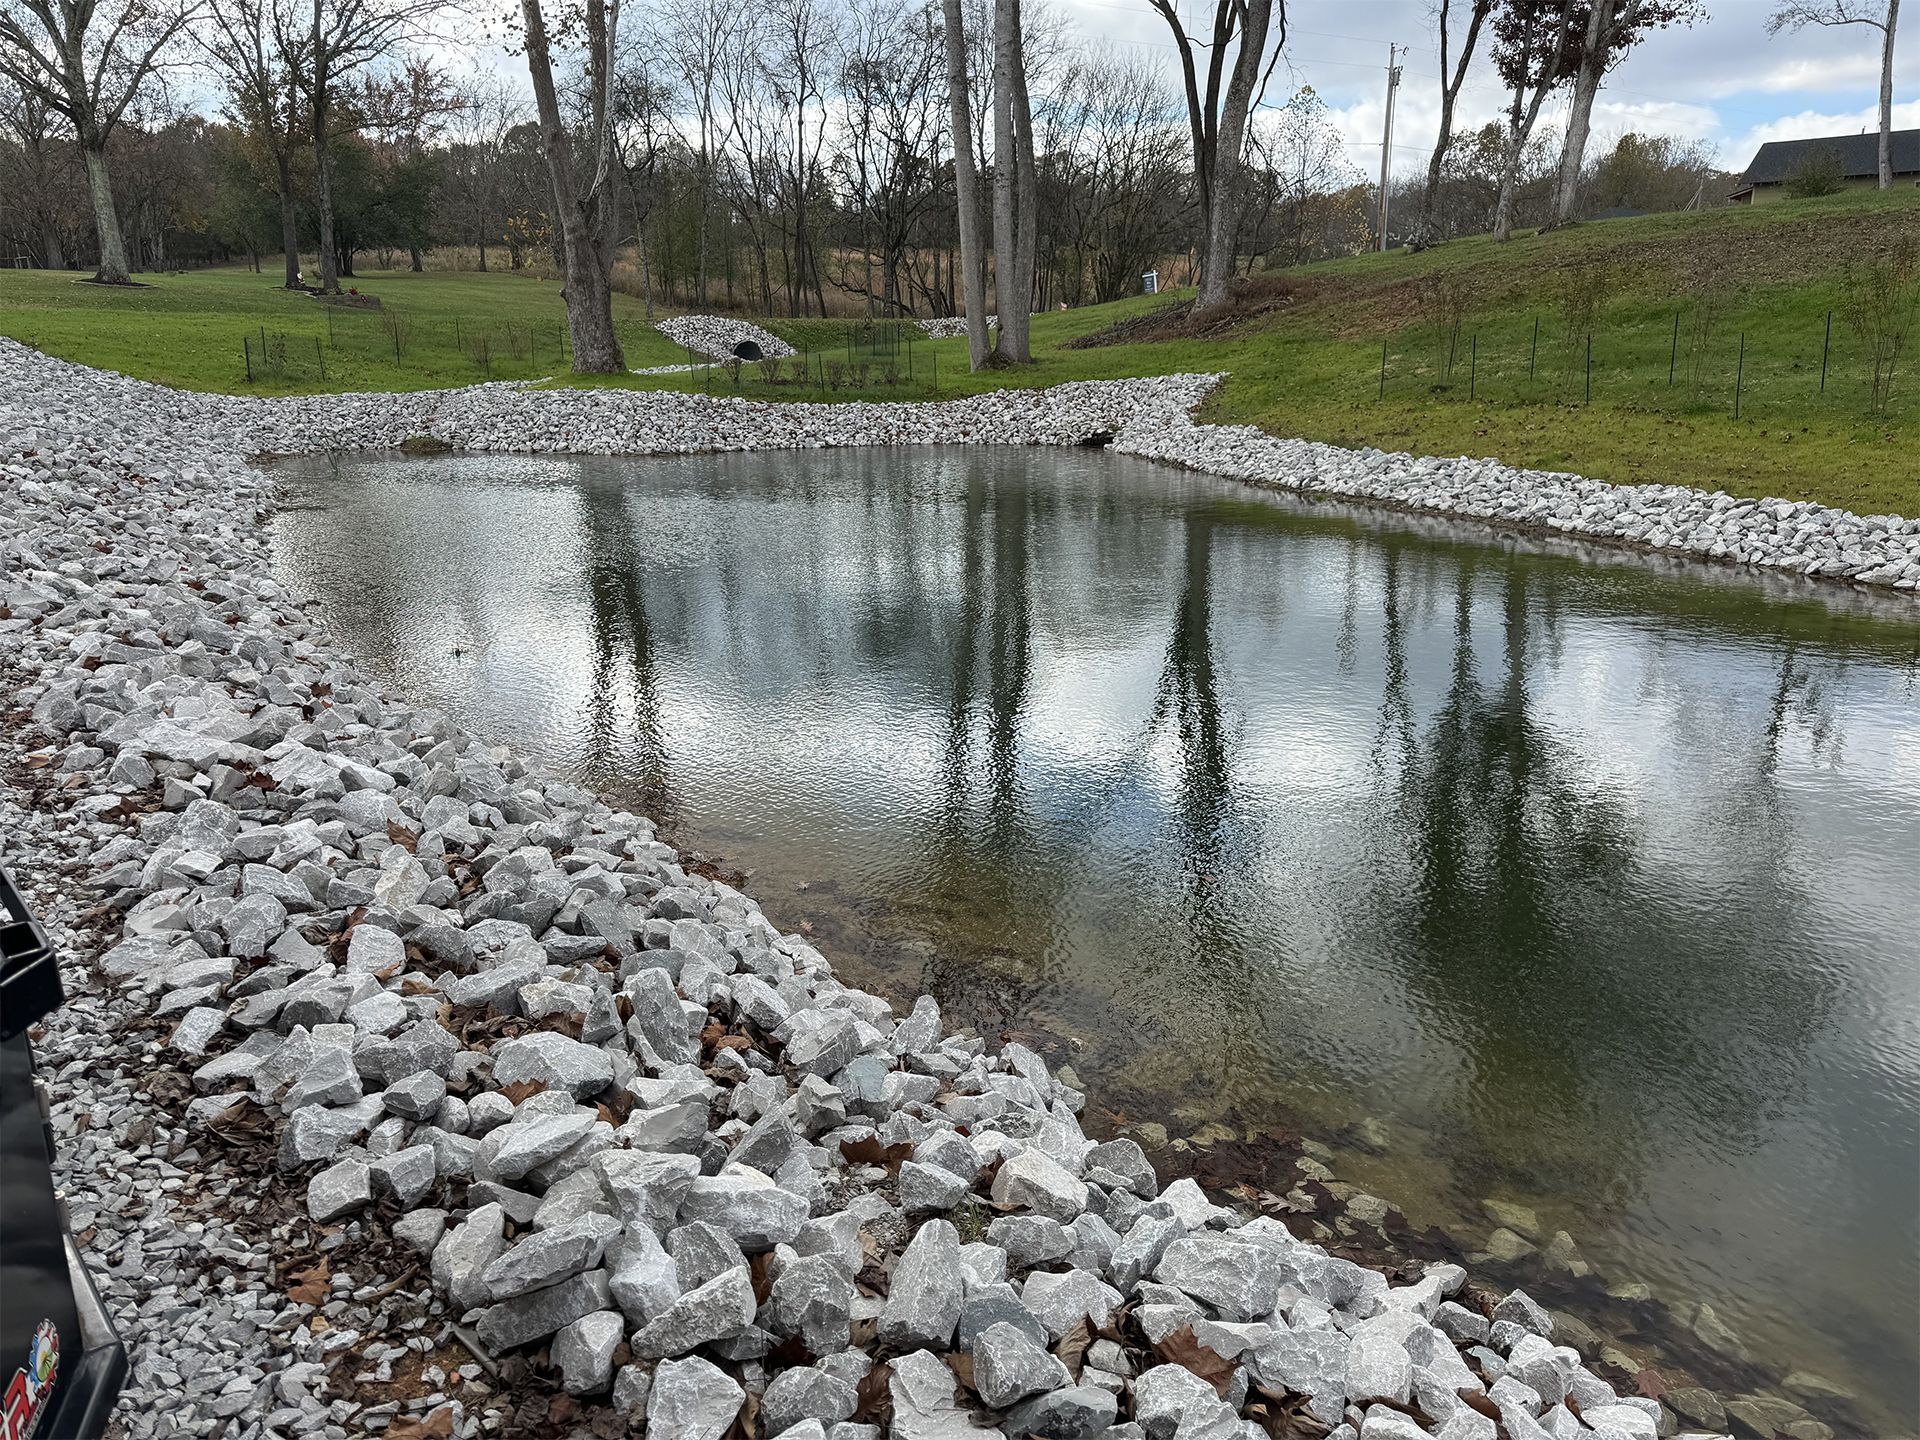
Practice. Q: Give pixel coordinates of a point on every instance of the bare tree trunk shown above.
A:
(323, 202)
(1886, 96)
(113, 251)
(966, 187)
(289, 220)
(1012, 209)
(56, 255)
(589, 296)
(1601, 20)
(1425, 227)
(1223, 224)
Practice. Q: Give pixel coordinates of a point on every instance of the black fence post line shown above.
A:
(1534, 354)
(1673, 356)
(1740, 375)
(321, 356)
(1589, 367)
(1473, 367)
(1383, 368)
(459, 340)
(330, 339)
(1826, 347)
(246, 350)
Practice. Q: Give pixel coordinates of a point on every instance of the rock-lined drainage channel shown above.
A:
(641, 1147)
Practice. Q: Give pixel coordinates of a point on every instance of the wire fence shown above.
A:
(389, 338)
(1687, 361)
(897, 357)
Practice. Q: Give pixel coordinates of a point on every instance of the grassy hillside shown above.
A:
(1304, 348)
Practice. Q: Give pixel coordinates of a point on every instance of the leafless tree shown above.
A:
(243, 39)
(33, 125)
(966, 186)
(473, 170)
(582, 211)
(700, 38)
(1453, 75)
(1881, 15)
(89, 62)
(1217, 116)
(342, 38)
(1014, 185)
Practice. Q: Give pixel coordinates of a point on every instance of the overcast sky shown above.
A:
(1722, 81)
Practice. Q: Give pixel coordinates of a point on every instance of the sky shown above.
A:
(1723, 80)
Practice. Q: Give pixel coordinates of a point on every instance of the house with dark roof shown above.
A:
(1858, 157)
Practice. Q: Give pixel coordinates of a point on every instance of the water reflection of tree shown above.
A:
(623, 653)
(1564, 966)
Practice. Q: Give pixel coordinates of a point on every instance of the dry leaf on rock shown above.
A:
(1183, 1348)
(437, 1426)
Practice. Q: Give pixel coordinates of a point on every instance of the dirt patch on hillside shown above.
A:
(1249, 300)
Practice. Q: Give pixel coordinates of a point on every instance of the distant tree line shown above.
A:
(796, 156)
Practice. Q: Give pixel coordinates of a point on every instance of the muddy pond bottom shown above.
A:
(1581, 882)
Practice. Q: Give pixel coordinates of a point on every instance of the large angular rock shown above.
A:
(1060, 1301)
(464, 1253)
(1078, 1413)
(1041, 1184)
(1379, 1368)
(1141, 1248)
(717, 1310)
(926, 1402)
(747, 1205)
(546, 1257)
(805, 1393)
(658, 1019)
(523, 1146)
(1240, 1281)
(1125, 1161)
(1163, 1396)
(340, 1189)
(923, 1305)
(406, 1176)
(556, 1061)
(1008, 1366)
(812, 1298)
(1312, 1362)
(539, 1313)
(643, 1277)
(1029, 1240)
(692, 1399)
(584, 1351)
(646, 1189)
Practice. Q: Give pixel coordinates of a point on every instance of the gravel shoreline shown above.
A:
(399, 1081)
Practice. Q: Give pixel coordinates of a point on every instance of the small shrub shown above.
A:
(836, 374)
(1446, 299)
(1707, 302)
(1818, 172)
(771, 370)
(399, 330)
(1879, 301)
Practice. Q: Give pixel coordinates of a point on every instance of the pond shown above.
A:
(1582, 881)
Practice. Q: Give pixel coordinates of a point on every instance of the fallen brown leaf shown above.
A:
(313, 1285)
(1182, 1347)
(868, 1150)
(437, 1426)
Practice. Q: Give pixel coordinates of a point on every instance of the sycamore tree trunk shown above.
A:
(588, 291)
(1886, 96)
(1426, 228)
(1229, 148)
(323, 202)
(113, 250)
(966, 188)
(1586, 85)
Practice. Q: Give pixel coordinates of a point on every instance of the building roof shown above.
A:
(1859, 156)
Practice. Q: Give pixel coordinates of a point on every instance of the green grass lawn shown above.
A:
(1307, 362)
(192, 330)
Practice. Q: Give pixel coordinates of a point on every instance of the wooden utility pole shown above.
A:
(1386, 143)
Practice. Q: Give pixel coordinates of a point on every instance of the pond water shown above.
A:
(1584, 881)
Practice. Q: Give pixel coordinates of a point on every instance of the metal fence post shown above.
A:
(1589, 367)
(1740, 375)
(1673, 357)
(1383, 369)
(1534, 354)
(1473, 367)
(246, 349)
(1826, 347)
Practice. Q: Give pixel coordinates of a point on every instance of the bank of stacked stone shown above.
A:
(717, 335)
(627, 1123)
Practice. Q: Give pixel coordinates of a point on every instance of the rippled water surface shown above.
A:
(1591, 882)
